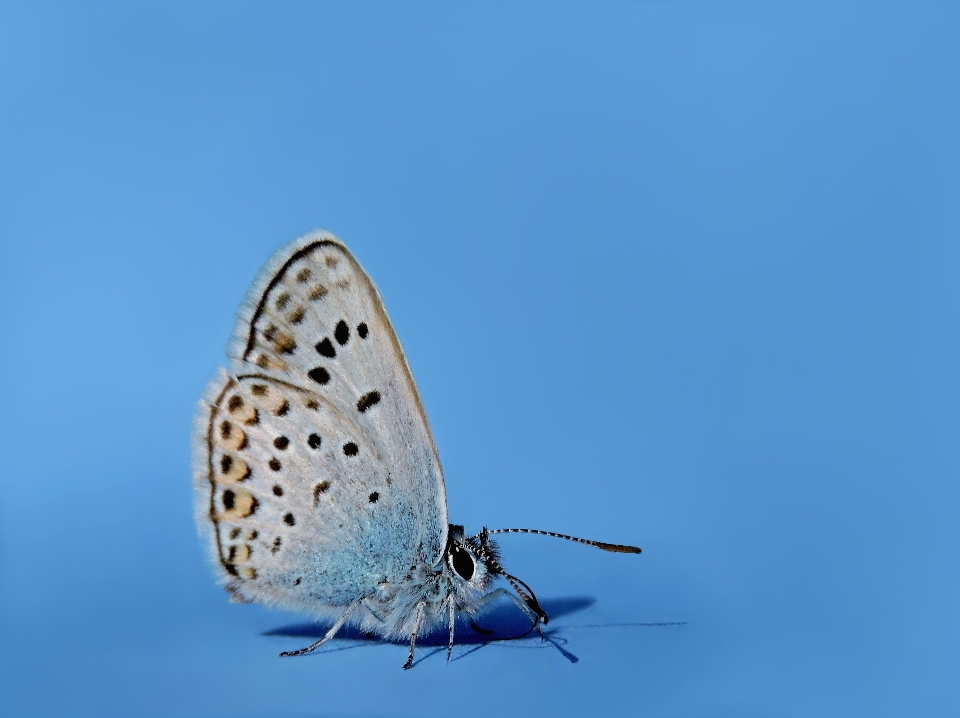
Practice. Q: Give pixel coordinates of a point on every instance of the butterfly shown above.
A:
(317, 482)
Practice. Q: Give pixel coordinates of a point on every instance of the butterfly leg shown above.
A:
(453, 622)
(413, 636)
(330, 634)
(373, 612)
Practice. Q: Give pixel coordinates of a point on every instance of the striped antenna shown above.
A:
(615, 547)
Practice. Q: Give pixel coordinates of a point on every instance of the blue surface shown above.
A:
(684, 275)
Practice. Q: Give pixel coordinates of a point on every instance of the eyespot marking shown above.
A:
(303, 275)
(283, 299)
(274, 464)
(258, 389)
(277, 490)
(231, 437)
(283, 408)
(325, 348)
(284, 343)
(319, 375)
(341, 333)
(317, 291)
(239, 553)
(368, 400)
(320, 488)
(241, 410)
(362, 330)
(296, 316)
(374, 497)
(289, 520)
(281, 442)
(238, 503)
(350, 449)
(314, 441)
(233, 469)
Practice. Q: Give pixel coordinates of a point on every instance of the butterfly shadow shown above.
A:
(501, 622)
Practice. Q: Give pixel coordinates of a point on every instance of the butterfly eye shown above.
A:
(463, 563)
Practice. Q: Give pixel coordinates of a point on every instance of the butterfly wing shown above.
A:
(316, 475)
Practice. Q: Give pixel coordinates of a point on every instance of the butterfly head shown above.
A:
(473, 560)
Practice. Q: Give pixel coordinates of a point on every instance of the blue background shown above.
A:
(685, 275)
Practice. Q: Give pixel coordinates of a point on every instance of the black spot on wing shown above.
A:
(319, 375)
(362, 330)
(314, 441)
(341, 333)
(325, 348)
(368, 400)
(350, 449)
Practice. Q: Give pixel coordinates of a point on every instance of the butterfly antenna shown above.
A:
(615, 547)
